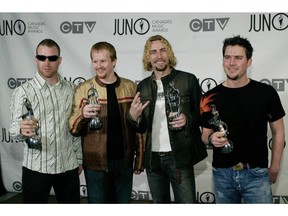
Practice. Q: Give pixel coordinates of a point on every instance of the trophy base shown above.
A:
(95, 124)
(34, 143)
(175, 128)
(227, 148)
(171, 119)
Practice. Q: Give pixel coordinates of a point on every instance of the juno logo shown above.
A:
(11, 27)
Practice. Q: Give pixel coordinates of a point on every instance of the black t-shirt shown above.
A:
(115, 145)
(246, 111)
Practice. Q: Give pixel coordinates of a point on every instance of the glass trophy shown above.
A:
(33, 142)
(173, 98)
(222, 127)
(95, 123)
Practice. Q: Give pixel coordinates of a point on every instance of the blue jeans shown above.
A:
(164, 173)
(242, 186)
(112, 186)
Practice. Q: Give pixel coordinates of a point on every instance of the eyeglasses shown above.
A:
(52, 58)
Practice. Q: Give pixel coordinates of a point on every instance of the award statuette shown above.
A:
(222, 127)
(173, 98)
(34, 142)
(95, 122)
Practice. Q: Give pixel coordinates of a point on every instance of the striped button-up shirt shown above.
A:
(52, 106)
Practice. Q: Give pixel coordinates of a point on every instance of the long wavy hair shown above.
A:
(146, 55)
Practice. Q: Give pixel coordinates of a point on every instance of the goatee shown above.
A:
(232, 78)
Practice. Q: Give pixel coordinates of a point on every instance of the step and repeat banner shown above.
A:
(196, 38)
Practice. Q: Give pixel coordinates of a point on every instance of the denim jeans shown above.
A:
(242, 186)
(113, 186)
(164, 173)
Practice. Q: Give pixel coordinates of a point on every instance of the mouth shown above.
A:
(232, 70)
(100, 71)
(47, 69)
(160, 63)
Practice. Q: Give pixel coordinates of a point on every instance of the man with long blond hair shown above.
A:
(173, 144)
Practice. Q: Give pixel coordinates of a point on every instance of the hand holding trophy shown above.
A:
(173, 98)
(95, 123)
(34, 142)
(222, 127)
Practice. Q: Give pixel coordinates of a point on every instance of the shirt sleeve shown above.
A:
(16, 106)
(78, 149)
(77, 120)
(276, 110)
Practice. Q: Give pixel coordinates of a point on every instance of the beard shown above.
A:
(232, 78)
(161, 68)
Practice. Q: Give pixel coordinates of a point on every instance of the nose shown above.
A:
(46, 62)
(97, 65)
(158, 54)
(232, 61)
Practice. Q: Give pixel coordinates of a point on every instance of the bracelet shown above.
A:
(209, 139)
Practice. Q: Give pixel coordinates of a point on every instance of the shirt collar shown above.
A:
(41, 81)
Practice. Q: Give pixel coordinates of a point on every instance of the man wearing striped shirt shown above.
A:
(57, 162)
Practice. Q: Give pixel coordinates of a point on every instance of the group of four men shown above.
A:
(113, 128)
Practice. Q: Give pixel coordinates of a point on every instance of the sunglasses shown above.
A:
(50, 58)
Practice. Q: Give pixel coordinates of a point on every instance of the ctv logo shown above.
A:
(15, 82)
(278, 84)
(208, 24)
(77, 27)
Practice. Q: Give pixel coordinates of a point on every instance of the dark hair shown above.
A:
(240, 41)
(103, 45)
(49, 43)
(146, 54)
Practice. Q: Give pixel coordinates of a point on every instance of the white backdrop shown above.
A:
(197, 42)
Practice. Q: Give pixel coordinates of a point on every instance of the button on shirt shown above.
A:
(52, 106)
